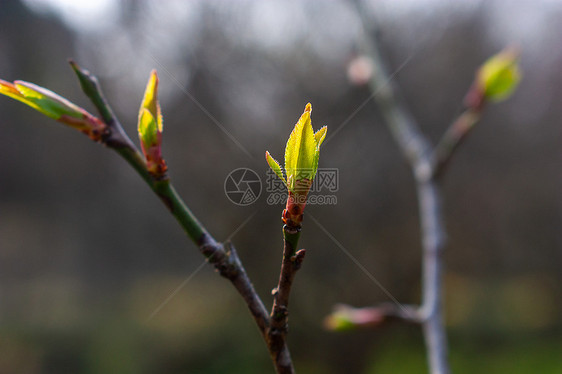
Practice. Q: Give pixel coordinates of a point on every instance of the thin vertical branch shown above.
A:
(292, 261)
(433, 238)
(419, 153)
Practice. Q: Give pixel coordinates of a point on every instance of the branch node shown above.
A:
(298, 258)
(291, 230)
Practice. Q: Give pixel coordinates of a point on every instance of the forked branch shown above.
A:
(222, 256)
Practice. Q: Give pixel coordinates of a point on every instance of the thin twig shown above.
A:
(231, 268)
(453, 138)
(374, 316)
(117, 139)
(292, 261)
(418, 151)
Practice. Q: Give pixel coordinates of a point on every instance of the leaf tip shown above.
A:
(154, 76)
(320, 135)
(77, 69)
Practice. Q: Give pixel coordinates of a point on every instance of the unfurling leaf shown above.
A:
(54, 106)
(150, 126)
(274, 165)
(301, 149)
(302, 153)
(499, 75)
(148, 129)
(150, 99)
(320, 135)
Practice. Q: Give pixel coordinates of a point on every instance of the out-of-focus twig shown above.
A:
(419, 153)
(494, 81)
(345, 317)
(453, 138)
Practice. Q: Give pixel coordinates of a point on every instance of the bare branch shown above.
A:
(417, 149)
(404, 128)
(292, 261)
(453, 138)
(346, 317)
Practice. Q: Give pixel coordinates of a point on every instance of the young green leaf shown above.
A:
(148, 129)
(150, 99)
(150, 125)
(10, 90)
(50, 103)
(274, 165)
(301, 163)
(301, 152)
(320, 135)
(54, 106)
(41, 99)
(499, 75)
(339, 321)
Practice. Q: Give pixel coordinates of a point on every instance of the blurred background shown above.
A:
(89, 256)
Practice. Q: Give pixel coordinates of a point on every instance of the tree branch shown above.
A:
(453, 138)
(346, 317)
(433, 240)
(292, 261)
(222, 256)
(231, 268)
(403, 126)
(418, 151)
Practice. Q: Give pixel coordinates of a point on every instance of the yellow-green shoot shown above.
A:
(54, 106)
